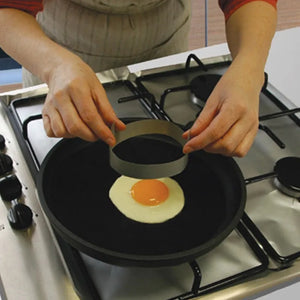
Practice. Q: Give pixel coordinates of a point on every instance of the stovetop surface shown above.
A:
(266, 206)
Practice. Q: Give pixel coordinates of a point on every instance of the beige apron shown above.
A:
(113, 33)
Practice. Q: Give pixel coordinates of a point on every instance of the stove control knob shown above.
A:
(6, 164)
(20, 216)
(10, 188)
(2, 142)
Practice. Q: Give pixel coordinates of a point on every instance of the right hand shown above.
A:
(77, 105)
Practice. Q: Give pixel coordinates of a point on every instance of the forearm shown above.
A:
(22, 38)
(249, 33)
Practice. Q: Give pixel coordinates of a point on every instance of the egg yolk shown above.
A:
(149, 192)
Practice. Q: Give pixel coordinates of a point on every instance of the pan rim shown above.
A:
(129, 259)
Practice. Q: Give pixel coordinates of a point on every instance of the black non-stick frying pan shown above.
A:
(73, 186)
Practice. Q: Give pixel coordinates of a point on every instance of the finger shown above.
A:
(235, 143)
(218, 127)
(53, 124)
(68, 119)
(47, 125)
(206, 116)
(105, 109)
(89, 115)
(203, 120)
(243, 148)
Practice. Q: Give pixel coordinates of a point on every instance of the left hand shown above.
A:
(229, 121)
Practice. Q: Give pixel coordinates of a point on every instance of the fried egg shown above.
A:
(147, 200)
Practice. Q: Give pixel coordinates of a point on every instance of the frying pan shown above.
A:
(73, 186)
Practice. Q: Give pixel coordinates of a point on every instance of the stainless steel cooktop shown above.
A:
(239, 267)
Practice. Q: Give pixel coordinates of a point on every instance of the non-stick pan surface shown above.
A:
(73, 186)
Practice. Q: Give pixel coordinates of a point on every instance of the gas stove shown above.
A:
(262, 251)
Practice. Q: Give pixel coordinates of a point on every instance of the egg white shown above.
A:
(120, 196)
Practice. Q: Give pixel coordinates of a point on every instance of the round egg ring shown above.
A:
(148, 170)
(120, 195)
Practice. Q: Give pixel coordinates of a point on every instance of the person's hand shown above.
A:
(228, 122)
(77, 105)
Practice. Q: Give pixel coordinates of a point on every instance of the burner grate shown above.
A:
(197, 290)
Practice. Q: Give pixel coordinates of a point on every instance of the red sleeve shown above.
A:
(30, 6)
(230, 6)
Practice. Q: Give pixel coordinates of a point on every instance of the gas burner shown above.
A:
(288, 176)
(202, 86)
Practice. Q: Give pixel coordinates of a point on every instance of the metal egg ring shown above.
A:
(148, 171)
